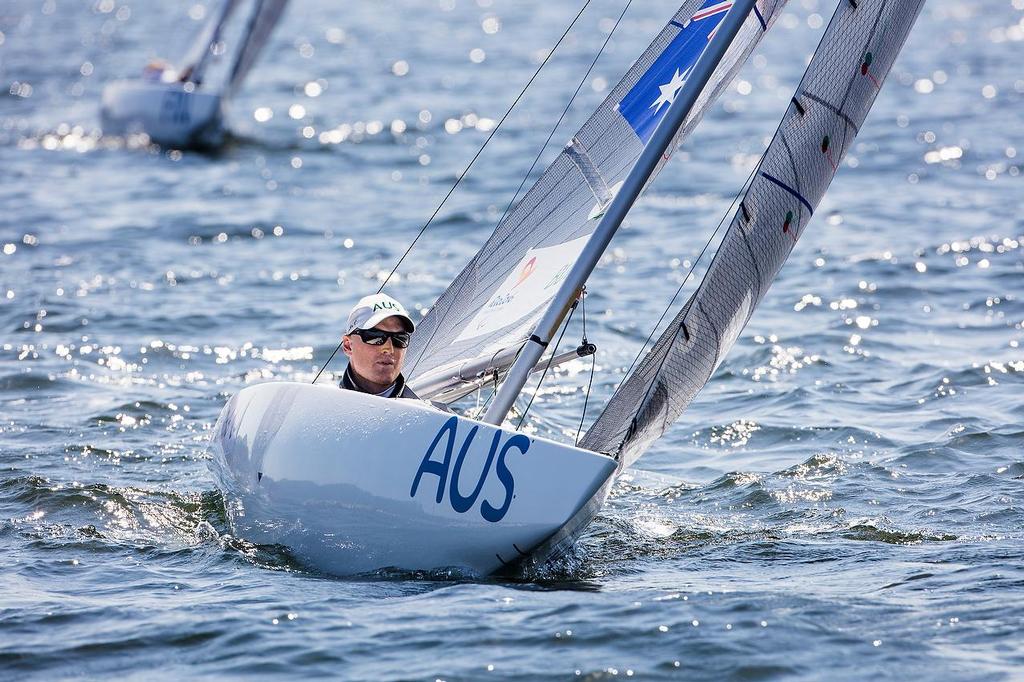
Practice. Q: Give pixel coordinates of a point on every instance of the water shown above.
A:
(843, 499)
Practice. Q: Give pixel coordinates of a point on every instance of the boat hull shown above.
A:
(167, 112)
(352, 483)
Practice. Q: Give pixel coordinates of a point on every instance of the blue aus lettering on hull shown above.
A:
(449, 474)
(174, 107)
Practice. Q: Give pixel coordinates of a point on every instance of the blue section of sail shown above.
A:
(646, 103)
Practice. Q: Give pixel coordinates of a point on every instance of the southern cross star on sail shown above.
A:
(670, 90)
(643, 106)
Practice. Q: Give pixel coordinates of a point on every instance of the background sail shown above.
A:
(830, 104)
(194, 62)
(494, 303)
(265, 16)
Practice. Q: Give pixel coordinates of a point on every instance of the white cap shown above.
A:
(370, 310)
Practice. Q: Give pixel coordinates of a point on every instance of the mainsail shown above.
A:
(825, 115)
(265, 15)
(492, 306)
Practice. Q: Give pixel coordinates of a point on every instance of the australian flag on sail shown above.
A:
(645, 105)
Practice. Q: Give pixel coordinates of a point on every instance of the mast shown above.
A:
(633, 184)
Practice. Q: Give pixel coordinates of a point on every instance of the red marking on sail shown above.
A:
(527, 270)
(713, 10)
(865, 69)
(710, 12)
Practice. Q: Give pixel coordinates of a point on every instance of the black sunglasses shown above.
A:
(378, 337)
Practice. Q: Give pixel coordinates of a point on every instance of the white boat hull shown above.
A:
(166, 112)
(351, 483)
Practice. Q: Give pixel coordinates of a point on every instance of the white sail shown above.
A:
(492, 306)
(831, 102)
(264, 17)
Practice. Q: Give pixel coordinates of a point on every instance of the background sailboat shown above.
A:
(354, 482)
(179, 106)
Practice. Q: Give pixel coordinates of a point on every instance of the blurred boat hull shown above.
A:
(171, 114)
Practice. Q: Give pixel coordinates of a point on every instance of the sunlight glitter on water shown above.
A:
(740, 481)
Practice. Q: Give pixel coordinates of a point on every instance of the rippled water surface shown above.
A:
(844, 499)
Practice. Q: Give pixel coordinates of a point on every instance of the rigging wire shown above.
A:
(473, 160)
(742, 191)
(480, 151)
(579, 87)
(543, 148)
(689, 273)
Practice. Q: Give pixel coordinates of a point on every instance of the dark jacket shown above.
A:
(400, 390)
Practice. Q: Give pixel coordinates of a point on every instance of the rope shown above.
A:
(593, 365)
(565, 111)
(661, 364)
(547, 367)
(472, 161)
(480, 151)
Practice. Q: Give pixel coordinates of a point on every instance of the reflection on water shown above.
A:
(848, 481)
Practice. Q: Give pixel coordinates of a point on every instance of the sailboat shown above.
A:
(351, 482)
(177, 106)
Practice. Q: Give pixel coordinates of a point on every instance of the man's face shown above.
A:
(376, 367)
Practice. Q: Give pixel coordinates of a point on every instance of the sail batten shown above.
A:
(821, 123)
(568, 201)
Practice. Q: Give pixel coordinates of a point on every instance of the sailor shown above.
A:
(157, 71)
(379, 330)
